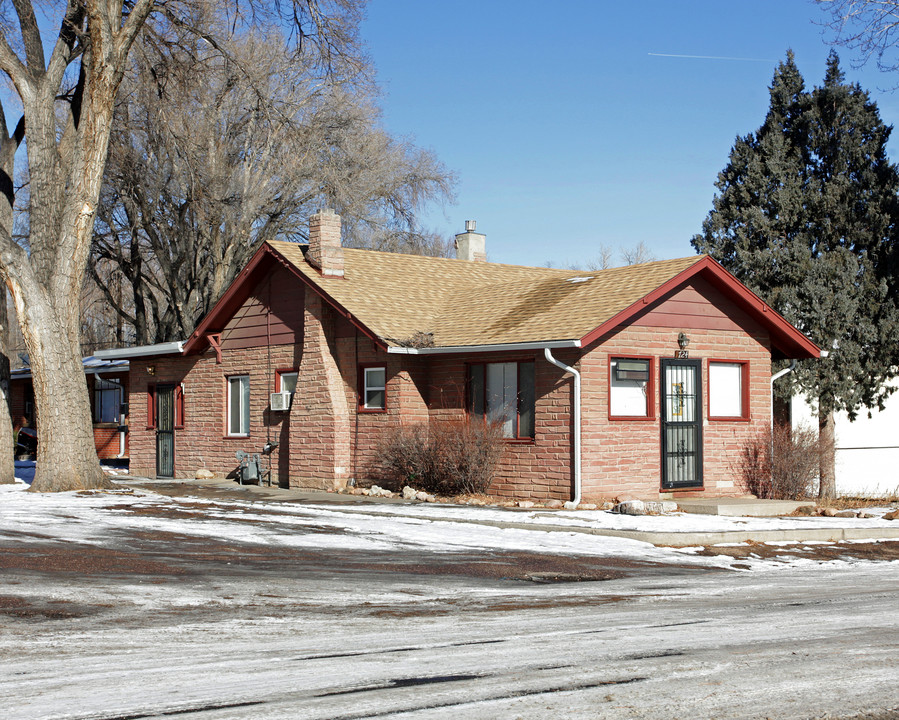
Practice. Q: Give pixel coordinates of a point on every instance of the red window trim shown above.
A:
(650, 389)
(744, 391)
(227, 435)
(285, 371)
(516, 438)
(360, 388)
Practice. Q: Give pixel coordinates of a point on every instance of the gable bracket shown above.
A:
(215, 340)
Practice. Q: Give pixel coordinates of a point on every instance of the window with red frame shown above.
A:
(630, 387)
(374, 388)
(504, 393)
(728, 390)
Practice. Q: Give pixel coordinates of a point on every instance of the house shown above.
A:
(867, 448)
(107, 386)
(644, 380)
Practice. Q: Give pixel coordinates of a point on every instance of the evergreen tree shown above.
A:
(806, 215)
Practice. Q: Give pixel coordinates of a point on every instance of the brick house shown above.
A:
(107, 387)
(645, 379)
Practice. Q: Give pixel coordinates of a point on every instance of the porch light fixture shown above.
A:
(683, 341)
(151, 369)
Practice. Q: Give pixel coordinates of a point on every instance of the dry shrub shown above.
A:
(449, 457)
(783, 465)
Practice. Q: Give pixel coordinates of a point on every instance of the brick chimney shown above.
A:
(325, 253)
(471, 245)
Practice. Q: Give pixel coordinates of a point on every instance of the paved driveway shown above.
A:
(142, 607)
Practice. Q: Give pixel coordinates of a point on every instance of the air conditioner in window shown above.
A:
(280, 401)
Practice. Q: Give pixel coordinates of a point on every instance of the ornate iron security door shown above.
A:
(681, 390)
(165, 431)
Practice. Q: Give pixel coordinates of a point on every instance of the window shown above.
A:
(630, 388)
(504, 393)
(239, 405)
(107, 401)
(287, 381)
(728, 389)
(374, 388)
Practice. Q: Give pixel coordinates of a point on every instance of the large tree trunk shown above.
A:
(826, 458)
(67, 458)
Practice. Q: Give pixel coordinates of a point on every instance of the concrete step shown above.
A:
(750, 507)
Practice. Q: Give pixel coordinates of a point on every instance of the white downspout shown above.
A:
(577, 422)
(775, 376)
(785, 371)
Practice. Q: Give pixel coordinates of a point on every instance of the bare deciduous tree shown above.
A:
(67, 86)
(605, 257)
(870, 27)
(215, 153)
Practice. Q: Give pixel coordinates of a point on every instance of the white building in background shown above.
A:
(867, 461)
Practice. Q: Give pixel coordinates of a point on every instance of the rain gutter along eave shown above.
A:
(499, 347)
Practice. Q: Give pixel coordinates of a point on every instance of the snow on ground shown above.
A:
(601, 519)
(96, 517)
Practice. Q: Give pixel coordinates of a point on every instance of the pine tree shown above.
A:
(806, 215)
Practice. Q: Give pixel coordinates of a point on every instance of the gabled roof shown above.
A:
(392, 297)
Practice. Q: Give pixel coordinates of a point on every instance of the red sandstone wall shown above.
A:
(538, 469)
(624, 456)
(325, 440)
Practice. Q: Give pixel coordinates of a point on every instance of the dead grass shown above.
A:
(853, 503)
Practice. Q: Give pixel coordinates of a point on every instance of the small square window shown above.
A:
(630, 394)
(374, 390)
(727, 389)
(288, 382)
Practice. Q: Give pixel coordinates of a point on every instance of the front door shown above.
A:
(681, 393)
(165, 431)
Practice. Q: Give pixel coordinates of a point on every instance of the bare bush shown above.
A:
(450, 457)
(784, 464)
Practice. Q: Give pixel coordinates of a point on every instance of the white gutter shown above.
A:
(577, 421)
(785, 371)
(167, 348)
(484, 348)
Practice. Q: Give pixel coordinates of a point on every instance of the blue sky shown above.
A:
(566, 127)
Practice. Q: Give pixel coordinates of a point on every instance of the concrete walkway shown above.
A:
(741, 507)
(229, 489)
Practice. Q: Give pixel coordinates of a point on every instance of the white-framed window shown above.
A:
(288, 382)
(239, 405)
(630, 387)
(107, 401)
(374, 388)
(727, 391)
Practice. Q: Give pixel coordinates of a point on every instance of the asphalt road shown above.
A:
(156, 625)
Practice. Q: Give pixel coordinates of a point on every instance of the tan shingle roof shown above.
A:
(476, 303)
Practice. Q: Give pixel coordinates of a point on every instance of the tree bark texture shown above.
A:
(65, 173)
(826, 458)
(8, 146)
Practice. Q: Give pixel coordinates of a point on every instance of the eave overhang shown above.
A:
(786, 340)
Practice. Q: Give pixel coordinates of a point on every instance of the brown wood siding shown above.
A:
(250, 325)
(697, 305)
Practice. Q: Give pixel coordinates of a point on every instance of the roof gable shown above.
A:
(392, 297)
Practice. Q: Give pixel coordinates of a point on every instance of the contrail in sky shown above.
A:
(709, 57)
